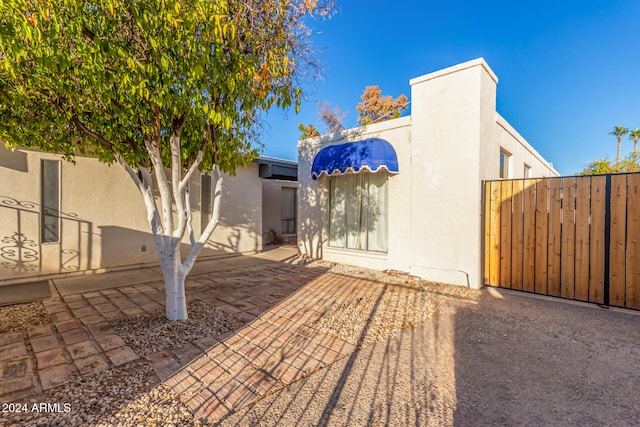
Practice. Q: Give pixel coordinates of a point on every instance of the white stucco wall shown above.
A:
(240, 227)
(446, 148)
(313, 195)
(103, 218)
(272, 204)
(507, 138)
(447, 116)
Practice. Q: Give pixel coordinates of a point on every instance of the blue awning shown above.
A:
(371, 155)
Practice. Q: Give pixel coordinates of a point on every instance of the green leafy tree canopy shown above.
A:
(153, 85)
(110, 77)
(605, 166)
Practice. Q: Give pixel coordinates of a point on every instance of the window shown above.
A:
(358, 212)
(504, 164)
(205, 201)
(527, 171)
(50, 206)
(288, 211)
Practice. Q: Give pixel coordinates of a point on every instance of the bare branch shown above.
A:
(208, 231)
(163, 186)
(194, 167)
(144, 186)
(83, 128)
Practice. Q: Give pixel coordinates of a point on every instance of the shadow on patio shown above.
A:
(340, 347)
(493, 359)
(337, 322)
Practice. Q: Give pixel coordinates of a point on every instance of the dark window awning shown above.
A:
(272, 168)
(371, 155)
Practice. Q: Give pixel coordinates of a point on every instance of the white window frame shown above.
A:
(365, 235)
(285, 218)
(50, 202)
(206, 200)
(505, 164)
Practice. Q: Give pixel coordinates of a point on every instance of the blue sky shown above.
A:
(569, 71)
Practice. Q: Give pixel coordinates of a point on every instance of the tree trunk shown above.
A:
(618, 155)
(167, 233)
(174, 279)
(175, 295)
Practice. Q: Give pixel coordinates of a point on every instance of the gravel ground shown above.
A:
(19, 317)
(428, 355)
(376, 316)
(125, 396)
(508, 360)
(161, 334)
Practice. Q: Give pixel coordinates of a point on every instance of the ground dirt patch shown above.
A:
(150, 333)
(20, 317)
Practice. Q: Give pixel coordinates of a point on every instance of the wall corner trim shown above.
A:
(478, 62)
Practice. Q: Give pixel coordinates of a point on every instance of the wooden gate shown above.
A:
(571, 237)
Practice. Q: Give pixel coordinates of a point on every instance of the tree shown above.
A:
(629, 164)
(375, 107)
(634, 135)
(308, 131)
(331, 117)
(162, 87)
(598, 167)
(604, 166)
(619, 131)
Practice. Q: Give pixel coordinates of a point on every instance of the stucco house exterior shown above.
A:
(62, 218)
(418, 207)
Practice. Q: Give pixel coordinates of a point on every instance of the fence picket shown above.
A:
(487, 235)
(494, 247)
(633, 243)
(567, 250)
(542, 231)
(505, 234)
(517, 239)
(583, 204)
(555, 219)
(529, 249)
(618, 235)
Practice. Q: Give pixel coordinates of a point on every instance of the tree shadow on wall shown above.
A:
(238, 229)
(353, 204)
(15, 160)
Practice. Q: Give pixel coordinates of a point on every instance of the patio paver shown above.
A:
(47, 358)
(215, 375)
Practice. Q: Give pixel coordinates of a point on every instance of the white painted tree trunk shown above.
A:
(174, 279)
(168, 231)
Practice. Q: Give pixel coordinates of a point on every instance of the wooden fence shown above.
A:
(571, 237)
